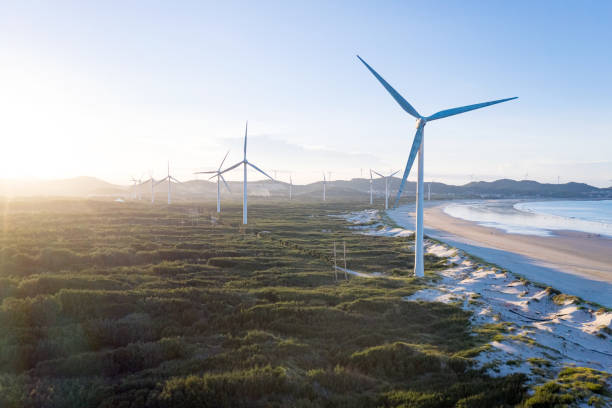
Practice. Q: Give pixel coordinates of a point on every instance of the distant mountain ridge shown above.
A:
(337, 189)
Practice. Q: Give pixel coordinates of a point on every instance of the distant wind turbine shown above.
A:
(169, 178)
(386, 185)
(134, 187)
(152, 181)
(418, 146)
(246, 163)
(290, 187)
(217, 174)
(324, 185)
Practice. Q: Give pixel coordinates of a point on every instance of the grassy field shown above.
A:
(126, 305)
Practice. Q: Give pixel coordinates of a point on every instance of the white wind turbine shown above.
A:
(169, 178)
(151, 180)
(217, 174)
(386, 185)
(246, 163)
(137, 194)
(134, 185)
(324, 185)
(290, 187)
(417, 146)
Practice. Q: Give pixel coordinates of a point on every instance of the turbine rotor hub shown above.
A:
(421, 122)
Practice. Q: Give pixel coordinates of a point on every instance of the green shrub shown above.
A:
(236, 388)
(397, 360)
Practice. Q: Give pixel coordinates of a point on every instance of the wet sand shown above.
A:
(575, 263)
(588, 255)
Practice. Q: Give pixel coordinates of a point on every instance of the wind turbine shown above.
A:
(169, 178)
(137, 194)
(418, 146)
(290, 187)
(133, 180)
(324, 185)
(152, 181)
(217, 174)
(246, 163)
(386, 185)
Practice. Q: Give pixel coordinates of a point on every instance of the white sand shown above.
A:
(562, 334)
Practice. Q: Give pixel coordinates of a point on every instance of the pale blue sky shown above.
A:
(115, 88)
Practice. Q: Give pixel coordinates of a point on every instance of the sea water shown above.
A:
(538, 217)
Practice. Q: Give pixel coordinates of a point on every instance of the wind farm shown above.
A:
(296, 259)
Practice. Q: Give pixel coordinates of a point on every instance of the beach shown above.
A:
(542, 325)
(573, 262)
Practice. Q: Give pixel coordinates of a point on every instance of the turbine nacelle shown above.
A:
(420, 123)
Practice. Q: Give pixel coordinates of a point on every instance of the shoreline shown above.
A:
(539, 324)
(575, 263)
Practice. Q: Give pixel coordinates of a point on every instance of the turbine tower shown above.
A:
(246, 163)
(418, 146)
(386, 185)
(217, 174)
(290, 187)
(169, 178)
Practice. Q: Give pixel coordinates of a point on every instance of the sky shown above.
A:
(116, 89)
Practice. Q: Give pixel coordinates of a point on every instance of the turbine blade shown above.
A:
(260, 170)
(398, 98)
(179, 182)
(377, 173)
(416, 143)
(161, 181)
(225, 183)
(230, 168)
(393, 174)
(462, 109)
(205, 172)
(223, 161)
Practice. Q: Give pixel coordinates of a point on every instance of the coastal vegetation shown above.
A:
(107, 304)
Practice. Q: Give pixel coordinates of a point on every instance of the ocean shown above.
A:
(540, 218)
